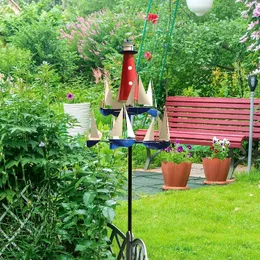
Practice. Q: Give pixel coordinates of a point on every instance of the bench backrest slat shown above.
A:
(202, 114)
(210, 100)
(212, 116)
(209, 111)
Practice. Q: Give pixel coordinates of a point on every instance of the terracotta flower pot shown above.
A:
(176, 176)
(216, 170)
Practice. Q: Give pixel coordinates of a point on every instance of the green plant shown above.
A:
(219, 148)
(177, 153)
(63, 193)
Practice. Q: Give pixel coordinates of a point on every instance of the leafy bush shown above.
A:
(36, 29)
(14, 60)
(59, 191)
(42, 39)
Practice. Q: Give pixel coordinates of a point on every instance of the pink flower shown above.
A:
(97, 74)
(180, 149)
(256, 12)
(250, 47)
(148, 56)
(250, 4)
(252, 25)
(141, 15)
(244, 14)
(153, 18)
(257, 48)
(70, 96)
(243, 39)
(255, 35)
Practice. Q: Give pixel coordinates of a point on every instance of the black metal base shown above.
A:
(128, 248)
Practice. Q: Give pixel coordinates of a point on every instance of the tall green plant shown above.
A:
(61, 197)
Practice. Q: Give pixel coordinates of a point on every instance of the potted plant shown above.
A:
(176, 166)
(216, 166)
(80, 111)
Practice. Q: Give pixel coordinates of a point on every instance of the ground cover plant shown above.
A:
(213, 222)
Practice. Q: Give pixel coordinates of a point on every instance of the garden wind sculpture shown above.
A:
(132, 99)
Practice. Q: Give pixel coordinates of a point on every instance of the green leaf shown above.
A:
(108, 213)
(88, 198)
(9, 195)
(81, 212)
(110, 203)
(23, 129)
(83, 246)
(2, 195)
(80, 248)
(11, 164)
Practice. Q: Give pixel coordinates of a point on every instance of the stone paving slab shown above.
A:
(151, 181)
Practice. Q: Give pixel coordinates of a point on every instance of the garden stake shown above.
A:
(252, 81)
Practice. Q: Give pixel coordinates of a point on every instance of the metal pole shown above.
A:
(129, 236)
(251, 130)
(130, 150)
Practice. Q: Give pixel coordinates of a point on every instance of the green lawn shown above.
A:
(213, 222)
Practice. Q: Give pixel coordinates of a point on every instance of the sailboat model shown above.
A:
(95, 135)
(163, 140)
(114, 105)
(116, 134)
(144, 98)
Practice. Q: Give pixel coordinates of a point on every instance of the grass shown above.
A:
(213, 222)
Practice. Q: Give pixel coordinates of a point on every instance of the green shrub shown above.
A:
(14, 60)
(42, 39)
(62, 197)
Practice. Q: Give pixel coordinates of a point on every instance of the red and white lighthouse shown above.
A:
(129, 76)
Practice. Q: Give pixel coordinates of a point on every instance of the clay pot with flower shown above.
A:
(176, 166)
(217, 165)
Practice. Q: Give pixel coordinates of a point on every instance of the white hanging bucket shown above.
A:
(80, 112)
(199, 7)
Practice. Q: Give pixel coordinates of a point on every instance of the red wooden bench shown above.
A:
(196, 120)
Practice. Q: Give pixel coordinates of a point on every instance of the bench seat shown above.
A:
(196, 138)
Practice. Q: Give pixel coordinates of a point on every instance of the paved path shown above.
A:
(151, 181)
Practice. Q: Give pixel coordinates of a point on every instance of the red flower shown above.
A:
(148, 55)
(153, 18)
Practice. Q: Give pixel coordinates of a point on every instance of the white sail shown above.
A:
(108, 100)
(164, 134)
(143, 99)
(116, 105)
(131, 97)
(94, 133)
(118, 127)
(150, 132)
(130, 131)
(159, 122)
(150, 94)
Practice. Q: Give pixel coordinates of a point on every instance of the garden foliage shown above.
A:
(63, 193)
(56, 196)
